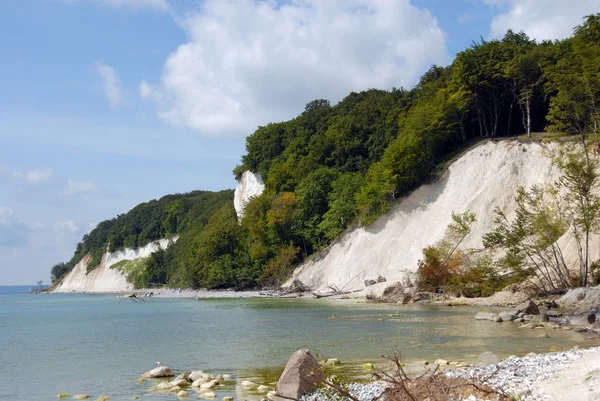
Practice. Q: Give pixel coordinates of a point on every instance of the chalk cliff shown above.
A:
(250, 185)
(103, 278)
(483, 178)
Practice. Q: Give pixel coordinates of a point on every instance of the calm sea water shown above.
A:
(98, 344)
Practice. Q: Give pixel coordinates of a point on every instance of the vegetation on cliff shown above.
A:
(334, 167)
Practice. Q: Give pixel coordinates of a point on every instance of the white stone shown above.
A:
(263, 389)
(247, 384)
(164, 386)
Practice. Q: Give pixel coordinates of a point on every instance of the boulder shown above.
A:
(180, 383)
(183, 394)
(263, 389)
(300, 376)
(369, 283)
(198, 374)
(184, 376)
(381, 279)
(226, 377)
(161, 371)
(543, 316)
(584, 320)
(508, 316)
(271, 395)
(488, 358)
(494, 317)
(528, 307)
(60, 396)
(175, 389)
(210, 384)
(199, 382)
(164, 386)
(208, 395)
(81, 396)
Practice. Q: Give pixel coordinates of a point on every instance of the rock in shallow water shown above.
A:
(528, 307)
(81, 397)
(494, 317)
(161, 371)
(300, 376)
(164, 386)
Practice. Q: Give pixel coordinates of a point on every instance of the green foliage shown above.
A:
(171, 215)
(333, 167)
(443, 260)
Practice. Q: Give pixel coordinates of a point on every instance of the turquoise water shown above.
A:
(98, 344)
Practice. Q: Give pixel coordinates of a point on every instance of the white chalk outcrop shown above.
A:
(103, 278)
(249, 186)
(485, 177)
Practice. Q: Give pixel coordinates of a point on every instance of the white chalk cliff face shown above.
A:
(103, 278)
(249, 186)
(485, 177)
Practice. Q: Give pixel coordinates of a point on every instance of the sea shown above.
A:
(101, 344)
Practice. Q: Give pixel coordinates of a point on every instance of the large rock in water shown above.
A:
(161, 371)
(494, 317)
(298, 378)
(528, 307)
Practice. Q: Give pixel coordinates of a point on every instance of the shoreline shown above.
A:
(572, 375)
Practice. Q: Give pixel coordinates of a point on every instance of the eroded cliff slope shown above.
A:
(104, 278)
(483, 178)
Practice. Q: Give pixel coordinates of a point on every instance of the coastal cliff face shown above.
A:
(482, 179)
(250, 185)
(104, 278)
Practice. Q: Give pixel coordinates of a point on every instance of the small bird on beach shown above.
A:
(158, 363)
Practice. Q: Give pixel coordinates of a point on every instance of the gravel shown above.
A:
(364, 392)
(517, 376)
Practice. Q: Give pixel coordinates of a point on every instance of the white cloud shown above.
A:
(66, 226)
(250, 62)
(145, 89)
(540, 19)
(33, 176)
(80, 187)
(111, 85)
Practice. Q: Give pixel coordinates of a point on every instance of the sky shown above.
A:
(108, 103)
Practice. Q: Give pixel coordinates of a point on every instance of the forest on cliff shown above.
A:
(338, 166)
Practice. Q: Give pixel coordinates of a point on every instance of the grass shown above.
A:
(131, 268)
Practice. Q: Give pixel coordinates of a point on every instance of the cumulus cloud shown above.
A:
(145, 89)
(111, 85)
(540, 19)
(33, 176)
(80, 187)
(250, 62)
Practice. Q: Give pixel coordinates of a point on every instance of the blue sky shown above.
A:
(108, 103)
